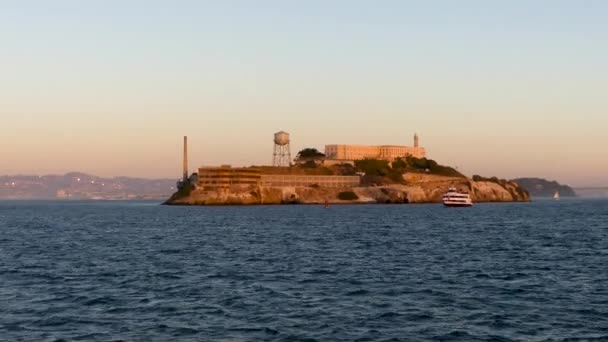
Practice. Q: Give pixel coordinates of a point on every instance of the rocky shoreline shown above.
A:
(418, 189)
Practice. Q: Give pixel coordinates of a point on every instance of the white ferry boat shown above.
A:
(454, 198)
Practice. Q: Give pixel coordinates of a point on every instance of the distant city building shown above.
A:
(386, 152)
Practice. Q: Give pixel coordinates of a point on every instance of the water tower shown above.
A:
(282, 151)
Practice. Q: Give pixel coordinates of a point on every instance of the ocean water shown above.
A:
(137, 271)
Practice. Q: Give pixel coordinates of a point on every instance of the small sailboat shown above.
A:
(556, 196)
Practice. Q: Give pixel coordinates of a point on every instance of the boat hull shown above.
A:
(453, 205)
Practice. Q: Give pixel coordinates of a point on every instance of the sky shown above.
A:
(498, 88)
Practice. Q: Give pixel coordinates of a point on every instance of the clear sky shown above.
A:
(505, 88)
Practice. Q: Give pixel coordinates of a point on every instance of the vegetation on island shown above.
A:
(309, 154)
(478, 178)
(183, 191)
(309, 157)
(377, 171)
(309, 161)
(382, 171)
(430, 166)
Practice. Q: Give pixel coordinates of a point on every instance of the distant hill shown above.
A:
(592, 192)
(77, 185)
(539, 187)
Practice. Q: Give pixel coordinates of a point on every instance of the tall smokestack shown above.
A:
(185, 159)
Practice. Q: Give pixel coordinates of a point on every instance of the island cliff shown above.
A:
(427, 192)
(411, 181)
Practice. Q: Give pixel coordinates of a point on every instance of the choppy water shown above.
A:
(86, 271)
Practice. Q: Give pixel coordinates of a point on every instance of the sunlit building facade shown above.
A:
(386, 152)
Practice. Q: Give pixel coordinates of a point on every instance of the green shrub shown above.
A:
(396, 176)
(347, 196)
(345, 170)
(309, 164)
(184, 191)
(399, 164)
(417, 163)
(423, 164)
(310, 154)
(393, 173)
(373, 167)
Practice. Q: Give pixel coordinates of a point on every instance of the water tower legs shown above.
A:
(281, 155)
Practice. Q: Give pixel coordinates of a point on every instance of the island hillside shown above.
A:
(539, 187)
(408, 180)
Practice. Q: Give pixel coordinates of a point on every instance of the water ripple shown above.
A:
(77, 271)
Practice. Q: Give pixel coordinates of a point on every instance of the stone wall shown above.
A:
(307, 180)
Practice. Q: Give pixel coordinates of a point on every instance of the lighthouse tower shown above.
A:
(416, 140)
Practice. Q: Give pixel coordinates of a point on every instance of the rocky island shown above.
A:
(313, 181)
